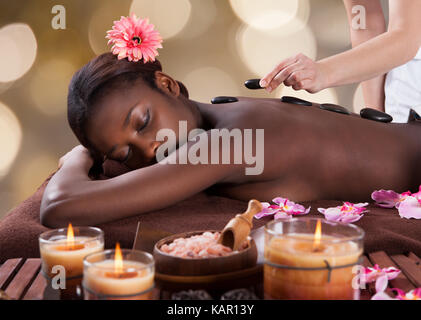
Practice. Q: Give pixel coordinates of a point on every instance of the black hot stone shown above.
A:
(294, 100)
(191, 295)
(253, 84)
(223, 99)
(334, 108)
(376, 115)
(239, 294)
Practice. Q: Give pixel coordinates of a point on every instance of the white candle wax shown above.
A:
(61, 252)
(101, 278)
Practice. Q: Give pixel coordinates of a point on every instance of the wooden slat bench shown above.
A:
(21, 278)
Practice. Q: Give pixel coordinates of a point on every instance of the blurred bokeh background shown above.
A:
(212, 46)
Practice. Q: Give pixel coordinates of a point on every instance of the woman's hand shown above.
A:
(298, 72)
(79, 156)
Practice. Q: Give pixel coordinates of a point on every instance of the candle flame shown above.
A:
(317, 236)
(70, 236)
(118, 259)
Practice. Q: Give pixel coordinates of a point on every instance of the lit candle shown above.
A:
(67, 247)
(311, 266)
(118, 274)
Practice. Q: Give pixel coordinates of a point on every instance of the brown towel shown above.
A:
(20, 228)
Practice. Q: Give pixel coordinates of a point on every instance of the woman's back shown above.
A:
(310, 153)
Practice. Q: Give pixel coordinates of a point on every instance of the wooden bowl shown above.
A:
(167, 264)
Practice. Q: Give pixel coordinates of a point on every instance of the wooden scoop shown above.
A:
(238, 228)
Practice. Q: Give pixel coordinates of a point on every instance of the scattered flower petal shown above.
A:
(347, 213)
(386, 198)
(407, 203)
(372, 274)
(414, 294)
(283, 209)
(282, 215)
(381, 286)
(410, 208)
(381, 296)
(381, 283)
(266, 211)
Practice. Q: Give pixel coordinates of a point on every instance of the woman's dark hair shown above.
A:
(101, 74)
(97, 77)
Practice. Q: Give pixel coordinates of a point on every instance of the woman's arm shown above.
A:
(370, 59)
(71, 196)
(373, 89)
(377, 56)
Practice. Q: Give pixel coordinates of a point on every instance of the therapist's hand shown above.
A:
(298, 72)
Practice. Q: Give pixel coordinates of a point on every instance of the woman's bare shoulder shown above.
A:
(249, 113)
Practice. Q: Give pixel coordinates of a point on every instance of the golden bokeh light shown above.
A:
(4, 86)
(272, 14)
(19, 49)
(102, 21)
(203, 15)
(331, 25)
(358, 100)
(51, 74)
(261, 51)
(168, 17)
(30, 174)
(205, 83)
(10, 138)
(325, 96)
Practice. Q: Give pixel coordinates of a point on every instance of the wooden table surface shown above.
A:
(21, 278)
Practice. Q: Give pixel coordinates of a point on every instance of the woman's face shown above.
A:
(125, 121)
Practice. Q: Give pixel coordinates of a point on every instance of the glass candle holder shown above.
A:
(129, 278)
(302, 263)
(62, 251)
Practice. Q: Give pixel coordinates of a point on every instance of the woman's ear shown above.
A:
(167, 84)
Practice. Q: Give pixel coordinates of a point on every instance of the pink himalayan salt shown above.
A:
(199, 246)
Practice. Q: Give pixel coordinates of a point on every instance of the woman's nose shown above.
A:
(152, 148)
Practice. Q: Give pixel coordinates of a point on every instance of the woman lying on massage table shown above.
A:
(117, 107)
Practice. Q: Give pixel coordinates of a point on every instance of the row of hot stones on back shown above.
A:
(366, 113)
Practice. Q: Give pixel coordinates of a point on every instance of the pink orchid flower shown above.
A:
(284, 209)
(135, 39)
(407, 203)
(372, 274)
(386, 198)
(410, 207)
(381, 285)
(347, 213)
(414, 294)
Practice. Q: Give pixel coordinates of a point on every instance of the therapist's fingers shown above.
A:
(312, 79)
(303, 85)
(283, 75)
(266, 80)
(304, 74)
(296, 78)
(296, 63)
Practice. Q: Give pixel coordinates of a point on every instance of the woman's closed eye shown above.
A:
(145, 121)
(140, 128)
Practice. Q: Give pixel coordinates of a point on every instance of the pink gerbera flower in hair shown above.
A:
(135, 39)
